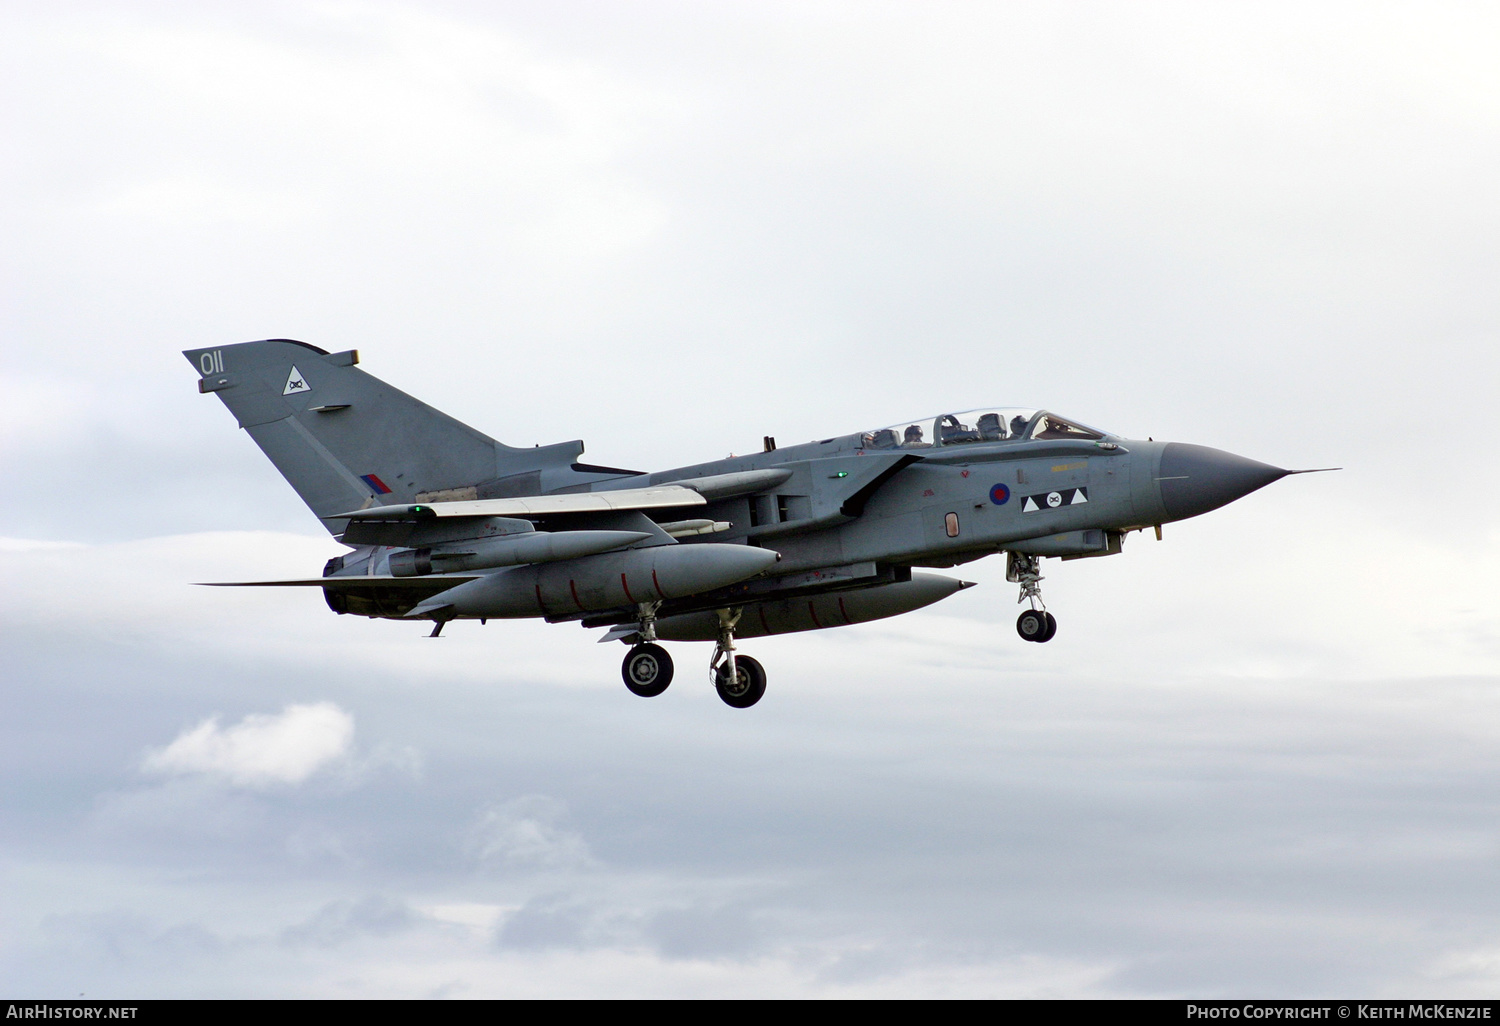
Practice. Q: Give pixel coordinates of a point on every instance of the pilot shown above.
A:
(913, 435)
(990, 428)
(1017, 426)
(952, 430)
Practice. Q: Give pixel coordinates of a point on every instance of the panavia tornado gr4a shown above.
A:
(445, 523)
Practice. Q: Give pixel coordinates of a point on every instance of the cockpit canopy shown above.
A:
(995, 424)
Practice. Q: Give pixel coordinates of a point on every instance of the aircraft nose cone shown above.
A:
(1195, 479)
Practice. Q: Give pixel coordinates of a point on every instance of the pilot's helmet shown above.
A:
(913, 433)
(1018, 425)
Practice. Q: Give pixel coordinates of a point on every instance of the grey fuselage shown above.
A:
(908, 519)
(944, 505)
(848, 516)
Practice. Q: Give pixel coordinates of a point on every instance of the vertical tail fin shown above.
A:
(344, 439)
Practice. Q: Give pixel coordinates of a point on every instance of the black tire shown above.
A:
(647, 670)
(1032, 625)
(749, 683)
(1051, 627)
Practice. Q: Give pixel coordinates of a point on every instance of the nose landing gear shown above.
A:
(1035, 624)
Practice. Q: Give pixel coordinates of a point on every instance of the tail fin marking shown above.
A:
(342, 437)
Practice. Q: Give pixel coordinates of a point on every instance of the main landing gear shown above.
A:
(1035, 624)
(647, 670)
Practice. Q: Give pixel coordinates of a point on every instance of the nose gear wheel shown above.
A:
(1036, 625)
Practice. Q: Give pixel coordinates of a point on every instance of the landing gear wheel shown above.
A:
(1051, 627)
(1032, 625)
(748, 686)
(647, 670)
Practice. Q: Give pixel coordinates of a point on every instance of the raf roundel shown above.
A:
(1000, 495)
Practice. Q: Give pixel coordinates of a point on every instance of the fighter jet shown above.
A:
(445, 523)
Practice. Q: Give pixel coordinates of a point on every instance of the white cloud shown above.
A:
(35, 545)
(526, 831)
(261, 749)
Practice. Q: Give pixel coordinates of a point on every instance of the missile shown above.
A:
(688, 528)
(830, 609)
(486, 553)
(605, 581)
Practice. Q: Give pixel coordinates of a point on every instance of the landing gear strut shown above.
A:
(647, 669)
(1035, 624)
(739, 680)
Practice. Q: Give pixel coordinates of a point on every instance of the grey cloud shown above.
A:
(715, 931)
(99, 953)
(546, 922)
(341, 921)
(526, 831)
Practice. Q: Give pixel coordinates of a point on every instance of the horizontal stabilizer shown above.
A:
(662, 497)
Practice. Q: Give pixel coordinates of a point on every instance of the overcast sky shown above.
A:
(1259, 758)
